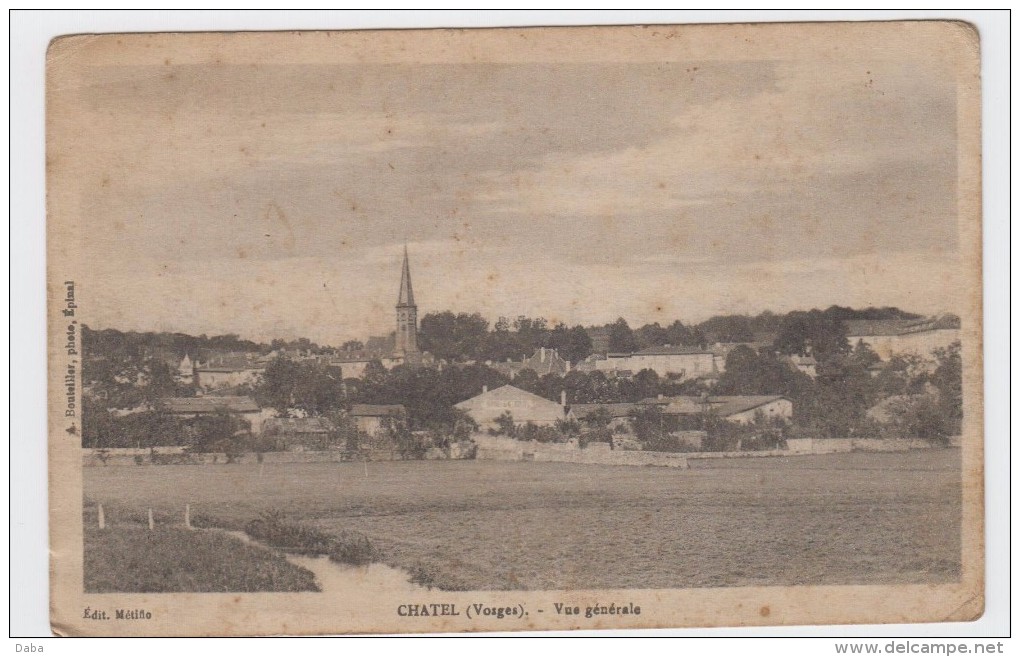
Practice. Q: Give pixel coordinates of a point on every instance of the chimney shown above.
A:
(563, 398)
(485, 389)
(542, 357)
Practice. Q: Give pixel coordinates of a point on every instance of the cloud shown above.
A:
(812, 125)
(274, 203)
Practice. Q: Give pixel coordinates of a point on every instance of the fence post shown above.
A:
(102, 518)
(152, 524)
(187, 516)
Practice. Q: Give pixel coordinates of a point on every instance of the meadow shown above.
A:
(128, 558)
(853, 518)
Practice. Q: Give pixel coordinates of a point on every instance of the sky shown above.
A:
(276, 200)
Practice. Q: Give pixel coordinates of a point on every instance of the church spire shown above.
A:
(407, 315)
(406, 297)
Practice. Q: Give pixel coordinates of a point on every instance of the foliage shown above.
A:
(542, 434)
(219, 432)
(621, 337)
(822, 332)
(343, 431)
(598, 418)
(132, 559)
(307, 386)
(751, 373)
(505, 425)
(407, 443)
(344, 547)
(453, 336)
(948, 380)
(100, 428)
(432, 575)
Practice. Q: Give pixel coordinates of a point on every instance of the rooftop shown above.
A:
(278, 425)
(377, 410)
(869, 327)
(209, 404)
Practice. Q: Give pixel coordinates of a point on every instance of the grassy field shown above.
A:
(130, 558)
(833, 519)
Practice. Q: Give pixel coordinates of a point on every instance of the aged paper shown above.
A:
(515, 329)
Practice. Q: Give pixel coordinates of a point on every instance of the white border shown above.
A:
(30, 33)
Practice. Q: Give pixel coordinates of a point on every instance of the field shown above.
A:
(127, 557)
(834, 519)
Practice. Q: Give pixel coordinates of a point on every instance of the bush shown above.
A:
(352, 547)
(431, 576)
(347, 547)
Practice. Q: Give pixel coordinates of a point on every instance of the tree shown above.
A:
(837, 403)
(343, 431)
(453, 336)
(220, 432)
(505, 425)
(948, 380)
(621, 338)
(572, 344)
(598, 418)
(463, 425)
(652, 335)
(578, 345)
(728, 328)
(527, 379)
(864, 355)
(646, 384)
(399, 434)
(824, 333)
(750, 373)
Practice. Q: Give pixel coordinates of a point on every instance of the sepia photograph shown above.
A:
(515, 329)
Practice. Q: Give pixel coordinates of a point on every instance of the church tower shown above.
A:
(407, 313)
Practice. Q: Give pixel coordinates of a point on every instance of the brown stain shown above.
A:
(104, 181)
(764, 611)
(275, 212)
(241, 253)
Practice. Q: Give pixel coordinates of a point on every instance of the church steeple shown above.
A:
(406, 297)
(407, 313)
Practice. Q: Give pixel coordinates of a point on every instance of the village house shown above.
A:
(193, 407)
(895, 337)
(618, 413)
(741, 409)
(522, 405)
(373, 418)
(229, 371)
(543, 361)
(352, 365)
(678, 363)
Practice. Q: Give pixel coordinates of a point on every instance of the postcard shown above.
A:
(496, 330)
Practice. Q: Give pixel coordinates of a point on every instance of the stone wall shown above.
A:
(494, 448)
(834, 445)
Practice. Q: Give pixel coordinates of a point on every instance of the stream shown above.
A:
(333, 577)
